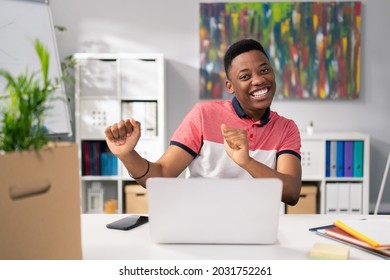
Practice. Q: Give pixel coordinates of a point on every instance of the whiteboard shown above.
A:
(21, 22)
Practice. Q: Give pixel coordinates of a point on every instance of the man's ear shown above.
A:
(229, 86)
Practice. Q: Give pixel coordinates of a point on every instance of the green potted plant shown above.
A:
(40, 182)
(24, 110)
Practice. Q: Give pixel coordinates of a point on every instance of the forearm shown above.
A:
(291, 183)
(171, 164)
(140, 168)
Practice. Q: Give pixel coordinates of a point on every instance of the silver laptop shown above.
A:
(228, 211)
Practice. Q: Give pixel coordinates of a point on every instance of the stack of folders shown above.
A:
(371, 235)
(344, 158)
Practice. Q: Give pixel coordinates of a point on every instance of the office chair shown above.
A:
(378, 201)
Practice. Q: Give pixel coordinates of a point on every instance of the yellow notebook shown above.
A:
(375, 232)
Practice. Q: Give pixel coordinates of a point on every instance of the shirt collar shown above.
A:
(240, 112)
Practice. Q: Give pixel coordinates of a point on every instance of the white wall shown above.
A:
(171, 27)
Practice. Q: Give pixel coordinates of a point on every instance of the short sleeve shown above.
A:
(188, 135)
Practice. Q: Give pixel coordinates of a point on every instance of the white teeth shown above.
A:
(260, 93)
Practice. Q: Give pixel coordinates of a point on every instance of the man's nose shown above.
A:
(258, 80)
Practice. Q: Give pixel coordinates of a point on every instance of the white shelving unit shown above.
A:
(110, 87)
(337, 193)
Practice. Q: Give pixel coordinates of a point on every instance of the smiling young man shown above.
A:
(238, 138)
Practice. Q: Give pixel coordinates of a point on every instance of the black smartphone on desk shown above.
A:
(128, 223)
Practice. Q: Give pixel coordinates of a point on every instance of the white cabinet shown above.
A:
(338, 163)
(110, 87)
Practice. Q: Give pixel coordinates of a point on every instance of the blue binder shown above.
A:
(340, 159)
(327, 158)
(348, 159)
(358, 150)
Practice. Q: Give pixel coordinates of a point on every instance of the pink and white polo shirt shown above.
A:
(200, 135)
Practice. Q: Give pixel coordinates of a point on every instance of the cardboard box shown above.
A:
(136, 199)
(40, 204)
(307, 203)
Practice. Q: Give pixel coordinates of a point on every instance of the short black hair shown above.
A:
(239, 47)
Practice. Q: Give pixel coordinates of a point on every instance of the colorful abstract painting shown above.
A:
(314, 47)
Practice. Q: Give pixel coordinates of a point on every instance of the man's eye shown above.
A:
(265, 70)
(244, 77)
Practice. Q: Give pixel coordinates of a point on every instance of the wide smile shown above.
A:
(260, 94)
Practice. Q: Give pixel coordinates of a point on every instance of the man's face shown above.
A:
(252, 80)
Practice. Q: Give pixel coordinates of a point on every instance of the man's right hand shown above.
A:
(122, 137)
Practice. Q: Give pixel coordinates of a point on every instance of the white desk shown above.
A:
(294, 242)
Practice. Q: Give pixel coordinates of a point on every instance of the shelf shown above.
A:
(312, 178)
(99, 178)
(320, 153)
(343, 179)
(110, 87)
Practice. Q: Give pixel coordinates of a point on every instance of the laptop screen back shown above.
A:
(200, 210)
